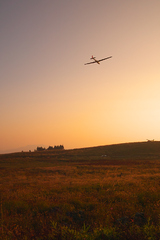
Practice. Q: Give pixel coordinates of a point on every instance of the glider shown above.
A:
(97, 61)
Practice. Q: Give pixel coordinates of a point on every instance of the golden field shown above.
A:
(107, 192)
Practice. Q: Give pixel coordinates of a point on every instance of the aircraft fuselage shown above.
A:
(95, 60)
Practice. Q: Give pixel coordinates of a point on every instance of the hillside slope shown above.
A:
(125, 150)
(137, 150)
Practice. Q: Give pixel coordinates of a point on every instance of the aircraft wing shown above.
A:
(89, 63)
(104, 59)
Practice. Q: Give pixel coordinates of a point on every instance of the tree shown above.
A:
(40, 149)
(50, 148)
(59, 147)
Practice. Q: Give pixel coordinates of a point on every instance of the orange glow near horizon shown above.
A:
(48, 96)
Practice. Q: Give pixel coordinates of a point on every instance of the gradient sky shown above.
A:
(48, 96)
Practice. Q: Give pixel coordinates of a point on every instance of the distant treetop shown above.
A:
(40, 149)
(50, 148)
(59, 147)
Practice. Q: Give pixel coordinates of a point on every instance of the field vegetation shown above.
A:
(109, 192)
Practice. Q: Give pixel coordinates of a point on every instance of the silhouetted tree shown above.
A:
(50, 148)
(40, 149)
(59, 147)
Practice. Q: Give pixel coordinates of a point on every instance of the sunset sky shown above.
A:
(48, 96)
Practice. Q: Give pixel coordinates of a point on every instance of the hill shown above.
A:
(135, 150)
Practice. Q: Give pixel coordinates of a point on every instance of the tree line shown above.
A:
(61, 147)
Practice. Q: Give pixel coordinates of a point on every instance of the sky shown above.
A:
(48, 96)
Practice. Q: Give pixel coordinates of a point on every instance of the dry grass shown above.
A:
(58, 194)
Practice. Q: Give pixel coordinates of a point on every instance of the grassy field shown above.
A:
(109, 192)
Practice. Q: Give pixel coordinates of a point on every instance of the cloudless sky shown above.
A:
(48, 96)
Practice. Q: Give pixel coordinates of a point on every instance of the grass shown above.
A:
(78, 194)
